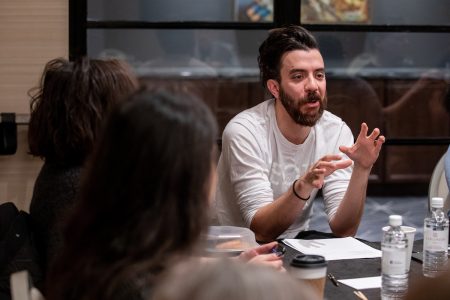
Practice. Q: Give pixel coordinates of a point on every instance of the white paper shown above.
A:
(363, 283)
(334, 249)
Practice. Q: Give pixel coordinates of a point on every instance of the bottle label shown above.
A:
(393, 261)
(435, 240)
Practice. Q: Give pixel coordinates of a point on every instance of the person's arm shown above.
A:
(273, 219)
(364, 154)
(244, 151)
(249, 176)
(447, 167)
(432, 76)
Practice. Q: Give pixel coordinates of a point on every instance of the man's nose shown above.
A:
(311, 84)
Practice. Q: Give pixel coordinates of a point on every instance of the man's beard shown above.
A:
(293, 108)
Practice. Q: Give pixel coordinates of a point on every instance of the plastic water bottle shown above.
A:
(394, 277)
(435, 239)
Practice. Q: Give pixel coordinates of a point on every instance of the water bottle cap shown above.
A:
(437, 202)
(395, 220)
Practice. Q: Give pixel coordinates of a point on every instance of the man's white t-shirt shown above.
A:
(258, 164)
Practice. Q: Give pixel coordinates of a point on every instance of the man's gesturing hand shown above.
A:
(366, 149)
(322, 168)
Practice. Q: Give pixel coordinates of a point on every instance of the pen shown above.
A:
(360, 295)
(333, 279)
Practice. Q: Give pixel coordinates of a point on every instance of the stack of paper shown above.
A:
(363, 283)
(334, 249)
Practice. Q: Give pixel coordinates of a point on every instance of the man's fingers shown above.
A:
(343, 164)
(374, 134)
(318, 183)
(379, 142)
(324, 164)
(363, 131)
(330, 157)
(344, 149)
(319, 171)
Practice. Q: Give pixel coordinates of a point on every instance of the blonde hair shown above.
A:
(227, 279)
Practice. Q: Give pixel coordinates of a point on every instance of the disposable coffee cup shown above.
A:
(410, 232)
(310, 270)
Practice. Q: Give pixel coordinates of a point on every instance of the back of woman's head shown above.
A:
(229, 280)
(70, 103)
(154, 160)
(145, 195)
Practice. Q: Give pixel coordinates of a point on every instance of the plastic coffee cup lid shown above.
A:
(308, 261)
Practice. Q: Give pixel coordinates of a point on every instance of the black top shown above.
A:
(137, 286)
(54, 194)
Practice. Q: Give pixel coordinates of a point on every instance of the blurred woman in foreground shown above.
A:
(145, 200)
(225, 280)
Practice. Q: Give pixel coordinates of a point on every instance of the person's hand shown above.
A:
(262, 255)
(325, 166)
(270, 260)
(435, 76)
(366, 149)
(251, 253)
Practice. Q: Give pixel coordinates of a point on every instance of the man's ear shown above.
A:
(274, 88)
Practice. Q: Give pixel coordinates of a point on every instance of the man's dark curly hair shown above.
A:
(280, 41)
(70, 103)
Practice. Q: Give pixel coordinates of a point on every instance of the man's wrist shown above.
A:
(294, 190)
(359, 168)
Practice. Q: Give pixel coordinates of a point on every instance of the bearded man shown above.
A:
(277, 155)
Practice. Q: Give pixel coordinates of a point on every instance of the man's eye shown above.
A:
(320, 75)
(297, 76)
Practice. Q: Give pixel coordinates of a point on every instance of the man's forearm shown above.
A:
(348, 215)
(273, 219)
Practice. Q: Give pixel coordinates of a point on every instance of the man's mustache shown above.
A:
(311, 98)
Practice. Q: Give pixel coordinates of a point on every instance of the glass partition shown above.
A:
(186, 52)
(386, 54)
(183, 53)
(182, 10)
(375, 12)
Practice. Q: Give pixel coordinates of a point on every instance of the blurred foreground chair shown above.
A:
(22, 287)
(438, 185)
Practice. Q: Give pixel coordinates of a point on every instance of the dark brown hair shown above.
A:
(68, 107)
(280, 41)
(144, 199)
